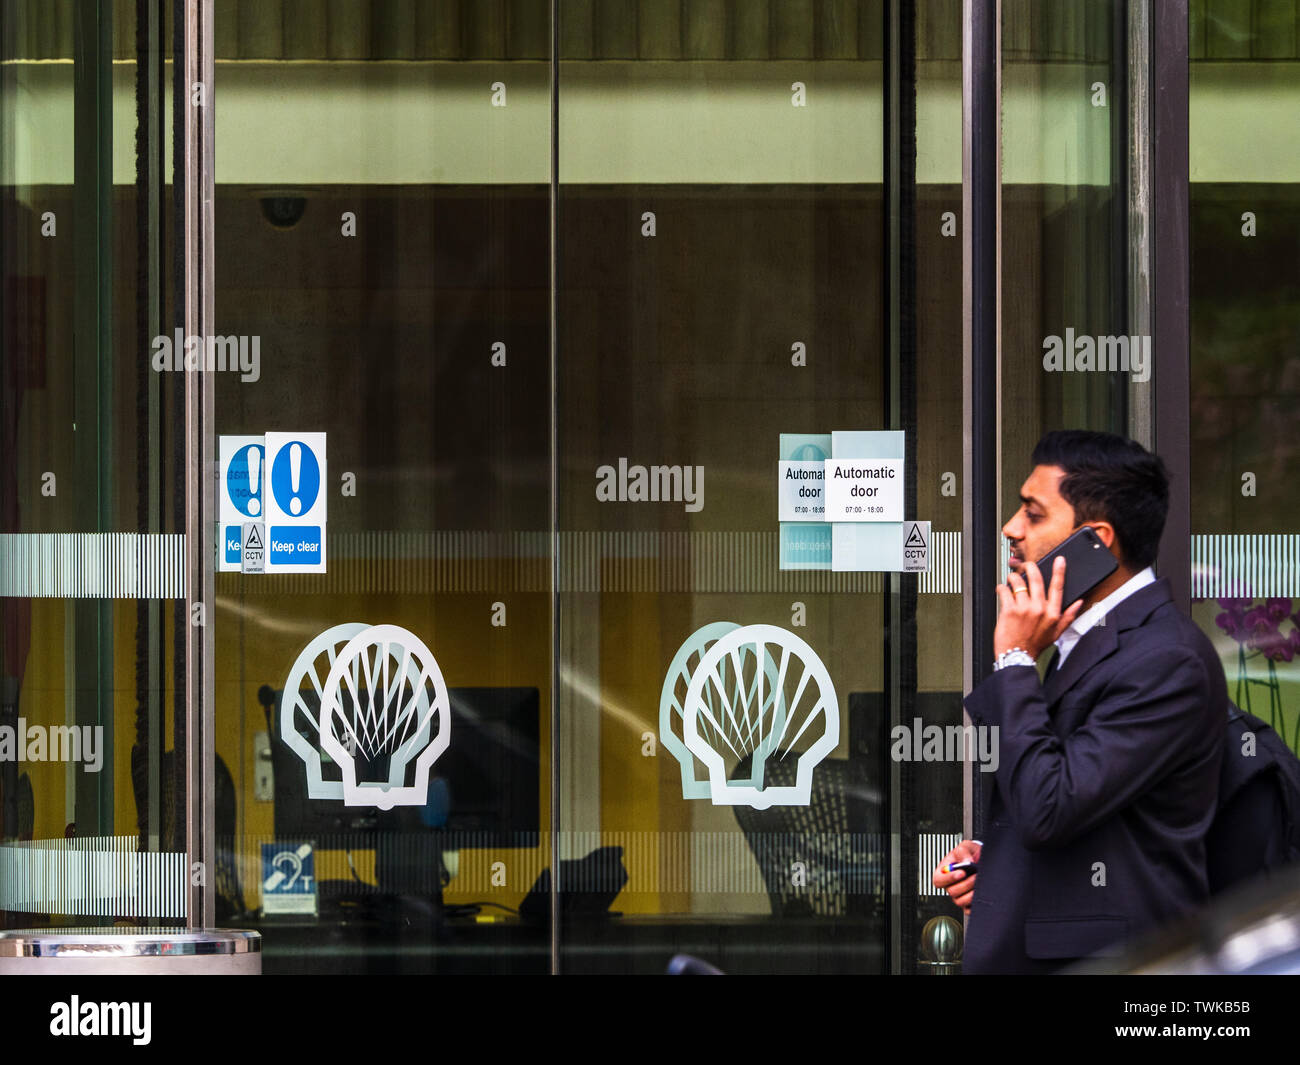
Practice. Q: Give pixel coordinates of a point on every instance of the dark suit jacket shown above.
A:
(1113, 760)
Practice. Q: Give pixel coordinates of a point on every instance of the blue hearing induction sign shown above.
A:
(288, 878)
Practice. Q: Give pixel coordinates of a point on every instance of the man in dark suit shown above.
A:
(1095, 821)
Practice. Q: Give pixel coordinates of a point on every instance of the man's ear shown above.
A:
(1106, 534)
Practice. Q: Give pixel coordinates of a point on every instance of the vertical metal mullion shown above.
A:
(900, 398)
(8, 408)
(1140, 394)
(150, 182)
(198, 194)
(982, 336)
(92, 651)
(1118, 239)
(553, 201)
(1171, 284)
(156, 280)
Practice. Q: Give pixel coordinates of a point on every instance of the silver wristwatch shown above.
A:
(1015, 656)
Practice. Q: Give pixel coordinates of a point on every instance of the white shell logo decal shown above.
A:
(753, 692)
(384, 715)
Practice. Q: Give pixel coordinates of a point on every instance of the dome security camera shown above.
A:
(284, 210)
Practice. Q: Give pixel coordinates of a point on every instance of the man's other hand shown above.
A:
(959, 885)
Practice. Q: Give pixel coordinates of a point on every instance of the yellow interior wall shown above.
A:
(636, 790)
(259, 635)
(41, 702)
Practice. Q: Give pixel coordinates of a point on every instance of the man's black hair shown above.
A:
(1108, 478)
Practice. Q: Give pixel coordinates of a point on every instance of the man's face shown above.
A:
(1043, 520)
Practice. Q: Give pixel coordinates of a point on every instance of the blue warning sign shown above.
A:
(295, 478)
(296, 503)
(244, 478)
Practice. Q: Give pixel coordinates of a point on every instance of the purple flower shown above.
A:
(1277, 609)
(1258, 622)
(1277, 648)
(1228, 623)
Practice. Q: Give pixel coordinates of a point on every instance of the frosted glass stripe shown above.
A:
(1250, 566)
(98, 876)
(92, 565)
(944, 575)
(145, 566)
(933, 847)
(590, 561)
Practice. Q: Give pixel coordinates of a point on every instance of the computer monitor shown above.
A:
(493, 768)
(485, 789)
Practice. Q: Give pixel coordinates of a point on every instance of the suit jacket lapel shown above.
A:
(1095, 644)
(1103, 638)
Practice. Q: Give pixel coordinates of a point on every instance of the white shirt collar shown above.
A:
(1095, 614)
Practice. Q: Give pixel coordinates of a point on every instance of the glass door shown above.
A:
(92, 486)
(1245, 293)
(743, 253)
(383, 691)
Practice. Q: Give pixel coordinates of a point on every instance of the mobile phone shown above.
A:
(969, 868)
(1088, 562)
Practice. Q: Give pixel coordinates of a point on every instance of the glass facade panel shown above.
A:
(720, 293)
(382, 246)
(723, 305)
(91, 483)
(1245, 352)
(541, 351)
(1068, 348)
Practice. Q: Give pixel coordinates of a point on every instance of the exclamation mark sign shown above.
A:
(295, 477)
(254, 476)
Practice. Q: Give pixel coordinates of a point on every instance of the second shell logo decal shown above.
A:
(737, 701)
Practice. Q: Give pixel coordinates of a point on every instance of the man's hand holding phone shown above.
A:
(959, 883)
(1029, 616)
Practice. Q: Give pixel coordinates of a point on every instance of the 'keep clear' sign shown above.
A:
(295, 502)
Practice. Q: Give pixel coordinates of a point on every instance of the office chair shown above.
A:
(843, 866)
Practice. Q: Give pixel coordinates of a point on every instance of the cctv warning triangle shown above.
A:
(914, 538)
(254, 541)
